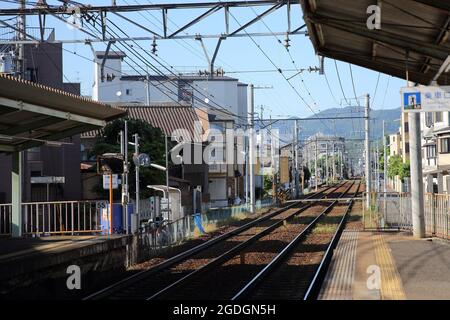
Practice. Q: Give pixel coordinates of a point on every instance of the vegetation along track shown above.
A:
(178, 270)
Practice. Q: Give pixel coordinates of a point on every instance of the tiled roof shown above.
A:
(167, 118)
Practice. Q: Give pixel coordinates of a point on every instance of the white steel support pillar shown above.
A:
(251, 146)
(417, 203)
(296, 177)
(367, 151)
(16, 195)
(315, 165)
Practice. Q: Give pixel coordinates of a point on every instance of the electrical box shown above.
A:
(155, 207)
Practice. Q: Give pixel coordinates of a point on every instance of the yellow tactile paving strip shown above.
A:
(391, 283)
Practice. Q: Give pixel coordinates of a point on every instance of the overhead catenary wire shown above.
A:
(280, 71)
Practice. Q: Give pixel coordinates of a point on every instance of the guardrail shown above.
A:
(50, 218)
(173, 232)
(437, 215)
(393, 210)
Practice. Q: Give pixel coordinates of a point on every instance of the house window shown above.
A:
(438, 117)
(407, 147)
(431, 152)
(406, 127)
(428, 119)
(445, 145)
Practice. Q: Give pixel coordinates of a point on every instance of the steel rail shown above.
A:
(126, 282)
(284, 253)
(230, 253)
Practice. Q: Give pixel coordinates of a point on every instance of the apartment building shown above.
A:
(436, 151)
(224, 100)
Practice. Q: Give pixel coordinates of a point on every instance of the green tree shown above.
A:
(151, 142)
(396, 167)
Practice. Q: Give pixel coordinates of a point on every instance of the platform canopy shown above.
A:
(413, 36)
(32, 115)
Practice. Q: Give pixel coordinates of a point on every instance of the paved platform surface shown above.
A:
(12, 249)
(387, 266)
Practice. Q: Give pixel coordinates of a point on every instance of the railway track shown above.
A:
(190, 266)
(298, 271)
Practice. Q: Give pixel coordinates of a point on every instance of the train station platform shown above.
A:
(40, 264)
(387, 266)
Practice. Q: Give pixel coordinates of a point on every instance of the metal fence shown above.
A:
(5, 219)
(49, 218)
(437, 215)
(392, 210)
(173, 232)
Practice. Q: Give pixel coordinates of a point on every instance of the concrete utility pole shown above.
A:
(334, 162)
(123, 140)
(136, 152)
(251, 157)
(385, 161)
(293, 165)
(167, 176)
(326, 163)
(417, 204)
(147, 87)
(296, 178)
(20, 47)
(315, 165)
(367, 150)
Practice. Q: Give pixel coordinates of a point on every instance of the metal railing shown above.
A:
(5, 219)
(50, 218)
(173, 232)
(437, 215)
(392, 210)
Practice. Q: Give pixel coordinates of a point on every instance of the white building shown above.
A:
(436, 151)
(114, 85)
(223, 98)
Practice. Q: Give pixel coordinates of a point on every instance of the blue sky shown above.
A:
(240, 54)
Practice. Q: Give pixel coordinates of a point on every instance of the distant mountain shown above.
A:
(348, 128)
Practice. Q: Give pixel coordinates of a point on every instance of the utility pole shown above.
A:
(20, 47)
(293, 165)
(315, 164)
(417, 203)
(334, 162)
(296, 178)
(251, 157)
(326, 163)
(125, 197)
(367, 150)
(136, 152)
(126, 169)
(147, 82)
(261, 164)
(167, 177)
(384, 160)
(272, 164)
